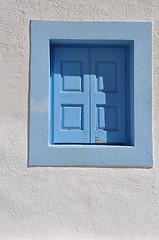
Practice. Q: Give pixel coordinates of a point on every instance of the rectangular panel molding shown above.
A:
(71, 117)
(72, 76)
(107, 117)
(107, 76)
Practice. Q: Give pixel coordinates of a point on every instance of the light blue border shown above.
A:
(41, 153)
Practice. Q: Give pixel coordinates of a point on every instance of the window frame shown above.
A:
(41, 152)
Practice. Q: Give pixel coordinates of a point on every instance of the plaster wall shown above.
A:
(68, 203)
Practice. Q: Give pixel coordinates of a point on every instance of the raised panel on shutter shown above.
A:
(108, 95)
(71, 95)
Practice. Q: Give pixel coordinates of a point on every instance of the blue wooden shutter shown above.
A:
(89, 95)
(107, 95)
(71, 95)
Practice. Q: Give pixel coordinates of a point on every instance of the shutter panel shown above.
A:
(71, 95)
(107, 95)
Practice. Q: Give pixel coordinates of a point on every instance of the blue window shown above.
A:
(91, 94)
(89, 100)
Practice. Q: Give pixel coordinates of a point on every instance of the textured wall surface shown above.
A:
(68, 203)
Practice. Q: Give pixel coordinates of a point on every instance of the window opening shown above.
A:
(89, 102)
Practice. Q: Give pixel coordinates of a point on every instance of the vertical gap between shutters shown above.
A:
(90, 126)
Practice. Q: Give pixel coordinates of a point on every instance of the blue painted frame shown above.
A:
(41, 153)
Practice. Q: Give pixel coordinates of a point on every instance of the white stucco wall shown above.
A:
(68, 203)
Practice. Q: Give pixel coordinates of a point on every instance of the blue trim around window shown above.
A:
(137, 36)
